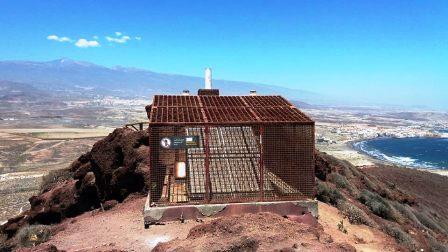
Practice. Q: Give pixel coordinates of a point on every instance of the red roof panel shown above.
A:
(175, 101)
(176, 114)
(229, 115)
(222, 101)
(177, 109)
(280, 114)
(266, 101)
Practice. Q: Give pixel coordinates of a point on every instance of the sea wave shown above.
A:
(405, 161)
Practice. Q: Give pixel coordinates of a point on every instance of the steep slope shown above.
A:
(369, 198)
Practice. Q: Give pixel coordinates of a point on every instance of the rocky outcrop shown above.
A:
(113, 169)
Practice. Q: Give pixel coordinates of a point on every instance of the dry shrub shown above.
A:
(339, 180)
(379, 206)
(3, 237)
(327, 194)
(4, 246)
(354, 214)
(400, 236)
(53, 178)
(437, 246)
(428, 221)
(354, 170)
(406, 211)
(33, 235)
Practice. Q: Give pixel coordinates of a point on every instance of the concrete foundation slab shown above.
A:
(160, 214)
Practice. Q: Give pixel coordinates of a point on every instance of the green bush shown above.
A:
(54, 177)
(400, 236)
(33, 235)
(378, 205)
(354, 214)
(327, 194)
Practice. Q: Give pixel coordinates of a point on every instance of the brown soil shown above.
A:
(120, 228)
(430, 189)
(362, 237)
(254, 232)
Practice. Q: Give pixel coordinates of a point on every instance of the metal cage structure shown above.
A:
(228, 149)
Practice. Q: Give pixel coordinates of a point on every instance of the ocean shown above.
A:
(431, 153)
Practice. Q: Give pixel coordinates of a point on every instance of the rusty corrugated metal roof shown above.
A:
(183, 110)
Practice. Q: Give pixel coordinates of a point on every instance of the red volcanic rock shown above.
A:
(304, 218)
(41, 248)
(322, 166)
(81, 170)
(254, 232)
(109, 204)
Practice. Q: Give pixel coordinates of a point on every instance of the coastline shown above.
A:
(376, 160)
(347, 151)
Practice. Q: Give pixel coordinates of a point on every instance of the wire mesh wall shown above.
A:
(231, 163)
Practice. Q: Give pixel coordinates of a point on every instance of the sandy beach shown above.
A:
(345, 151)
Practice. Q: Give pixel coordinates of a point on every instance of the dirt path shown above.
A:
(120, 228)
(362, 237)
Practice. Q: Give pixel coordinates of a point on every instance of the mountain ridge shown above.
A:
(67, 74)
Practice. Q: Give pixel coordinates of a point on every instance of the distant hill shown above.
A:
(15, 92)
(68, 75)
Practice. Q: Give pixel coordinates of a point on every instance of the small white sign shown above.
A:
(165, 143)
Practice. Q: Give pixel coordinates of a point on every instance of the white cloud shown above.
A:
(119, 39)
(59, 39)
(84, 43)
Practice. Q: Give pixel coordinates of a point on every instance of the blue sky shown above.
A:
(388, 52)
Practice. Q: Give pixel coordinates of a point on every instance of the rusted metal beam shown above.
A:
(261, 163)
(207, 165)
(150, 165)
(136, 126)
(228, 123)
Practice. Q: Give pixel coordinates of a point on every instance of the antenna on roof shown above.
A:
(208, 78)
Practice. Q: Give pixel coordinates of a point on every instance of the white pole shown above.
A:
(208, 78)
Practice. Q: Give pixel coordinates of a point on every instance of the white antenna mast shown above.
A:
(208, 78)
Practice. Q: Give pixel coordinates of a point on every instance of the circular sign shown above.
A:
(165, 143)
